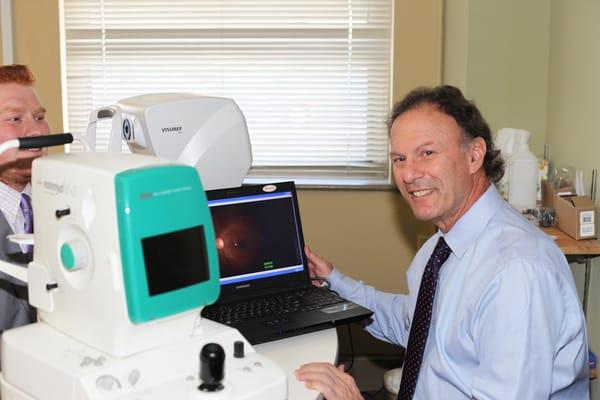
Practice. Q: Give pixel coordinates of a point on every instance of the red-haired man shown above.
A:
(21, 114)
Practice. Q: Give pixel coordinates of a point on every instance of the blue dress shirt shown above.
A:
(507, 322)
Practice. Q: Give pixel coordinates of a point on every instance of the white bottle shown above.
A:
(522, 174)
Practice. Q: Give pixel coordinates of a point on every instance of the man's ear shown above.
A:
(477, 150)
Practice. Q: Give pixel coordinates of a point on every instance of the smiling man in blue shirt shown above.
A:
(506, 322)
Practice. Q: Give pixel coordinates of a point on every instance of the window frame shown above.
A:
(338, 177)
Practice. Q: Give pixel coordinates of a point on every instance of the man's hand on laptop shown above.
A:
(329, 380)
(318, 267)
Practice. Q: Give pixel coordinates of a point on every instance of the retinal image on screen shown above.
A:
(255, 237)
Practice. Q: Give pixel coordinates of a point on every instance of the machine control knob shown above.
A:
(238, 349)
(108, 384)
(74, 255)
(62, 212)
(212, 367)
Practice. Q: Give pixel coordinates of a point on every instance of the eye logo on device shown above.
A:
(127, 129)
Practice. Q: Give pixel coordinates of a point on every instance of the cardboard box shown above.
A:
(576, 216)
(549, 193)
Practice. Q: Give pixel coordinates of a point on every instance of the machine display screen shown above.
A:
(175, 260)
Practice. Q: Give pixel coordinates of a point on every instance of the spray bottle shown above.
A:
(523, 174)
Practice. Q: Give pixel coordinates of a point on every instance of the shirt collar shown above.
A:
(471, 225)
(11, 198)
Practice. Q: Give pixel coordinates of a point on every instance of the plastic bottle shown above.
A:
(522, 174)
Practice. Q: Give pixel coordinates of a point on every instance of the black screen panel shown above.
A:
(175, 260)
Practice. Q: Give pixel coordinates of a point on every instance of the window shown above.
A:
(312, 77)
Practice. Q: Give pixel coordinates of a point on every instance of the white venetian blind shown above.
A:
(312, 77)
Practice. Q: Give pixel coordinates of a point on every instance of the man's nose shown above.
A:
(35, 127)
(411, 171)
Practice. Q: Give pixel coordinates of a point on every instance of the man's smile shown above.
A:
(421, 193)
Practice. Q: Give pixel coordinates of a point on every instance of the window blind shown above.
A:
(312, 77)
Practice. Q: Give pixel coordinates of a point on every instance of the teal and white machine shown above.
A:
(124, 260)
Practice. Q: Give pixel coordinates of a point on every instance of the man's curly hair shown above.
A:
(450, 101)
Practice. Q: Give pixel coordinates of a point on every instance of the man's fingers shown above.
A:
(329, 380)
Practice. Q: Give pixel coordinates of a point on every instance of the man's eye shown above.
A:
(428, 152)
(40, 117)
(397, 159)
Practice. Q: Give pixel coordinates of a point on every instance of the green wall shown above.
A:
(497, 53)
(573, 115)
(535, 65)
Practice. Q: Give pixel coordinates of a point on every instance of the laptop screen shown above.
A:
(258, 236)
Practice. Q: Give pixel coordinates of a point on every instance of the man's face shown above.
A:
(21, 114)
(432, 168)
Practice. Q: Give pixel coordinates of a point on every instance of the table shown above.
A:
(572, 247)
(586, 248)
(290, 353)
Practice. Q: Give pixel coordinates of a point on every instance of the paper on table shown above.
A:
(579, 183)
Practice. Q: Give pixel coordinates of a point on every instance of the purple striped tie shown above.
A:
(27, 217)
(419, 328)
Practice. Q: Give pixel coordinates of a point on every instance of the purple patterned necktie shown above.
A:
(419, 328)
(27, 217)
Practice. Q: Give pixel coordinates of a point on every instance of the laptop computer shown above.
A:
(266, 290)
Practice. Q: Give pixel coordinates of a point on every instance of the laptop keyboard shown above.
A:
(275, 305)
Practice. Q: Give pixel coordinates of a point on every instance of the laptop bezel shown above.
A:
(267, 286)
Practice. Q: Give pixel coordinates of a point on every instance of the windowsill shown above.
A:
(327, 184)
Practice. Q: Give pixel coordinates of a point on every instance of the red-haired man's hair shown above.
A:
(16, 73)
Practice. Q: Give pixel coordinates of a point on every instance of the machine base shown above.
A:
(39, 362)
